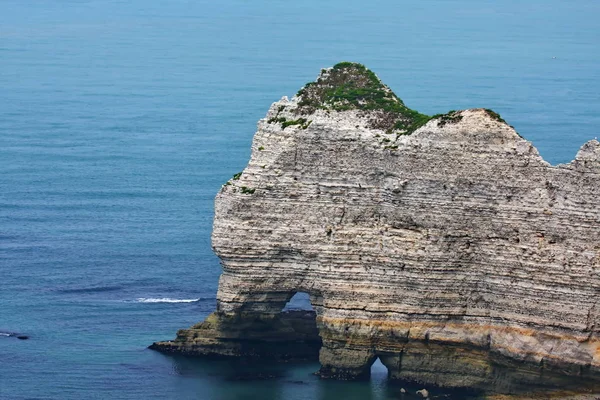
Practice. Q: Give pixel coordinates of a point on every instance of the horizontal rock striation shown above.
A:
(410, 232)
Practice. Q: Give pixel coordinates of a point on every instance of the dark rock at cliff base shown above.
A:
(288, 336)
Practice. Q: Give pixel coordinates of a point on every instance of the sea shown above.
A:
(120, 120)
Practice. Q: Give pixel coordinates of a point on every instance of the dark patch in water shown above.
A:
(13, 335)
(249, 376)
(298, 382)
(93, 289)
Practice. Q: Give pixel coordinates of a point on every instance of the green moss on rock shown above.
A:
(247, 190)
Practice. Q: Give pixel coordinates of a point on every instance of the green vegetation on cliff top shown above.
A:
(352, 86)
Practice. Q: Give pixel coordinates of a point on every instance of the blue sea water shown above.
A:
(120, 120)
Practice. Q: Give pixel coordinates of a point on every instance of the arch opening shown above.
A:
(297, 321)
(300, 301)
(379, 372)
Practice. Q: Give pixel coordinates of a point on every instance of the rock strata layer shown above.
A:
(415, 238)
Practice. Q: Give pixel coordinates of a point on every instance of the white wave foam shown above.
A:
(5, 334)
(164, 300)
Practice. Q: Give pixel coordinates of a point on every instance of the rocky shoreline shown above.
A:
(445, 246)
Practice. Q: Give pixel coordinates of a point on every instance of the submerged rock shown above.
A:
(14, 335)
(445, 246)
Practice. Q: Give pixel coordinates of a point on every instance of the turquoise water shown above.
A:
(119, 121)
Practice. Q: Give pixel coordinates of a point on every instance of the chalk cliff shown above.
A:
(415, 237)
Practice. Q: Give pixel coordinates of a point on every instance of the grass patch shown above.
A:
(303, 122)
(281, 120)
(237, 176)
(247, 190)
(451, 117)
(494, 115)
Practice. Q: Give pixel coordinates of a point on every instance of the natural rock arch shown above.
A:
(416, 237)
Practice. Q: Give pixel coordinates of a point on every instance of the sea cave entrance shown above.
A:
(379, 372)
(299, 318)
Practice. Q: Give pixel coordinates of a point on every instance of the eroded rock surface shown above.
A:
(410, 233)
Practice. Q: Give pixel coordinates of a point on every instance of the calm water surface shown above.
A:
(119, 121)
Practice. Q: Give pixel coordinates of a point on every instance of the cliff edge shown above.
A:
(445, 246)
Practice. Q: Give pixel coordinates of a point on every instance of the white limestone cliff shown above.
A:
(410, 235)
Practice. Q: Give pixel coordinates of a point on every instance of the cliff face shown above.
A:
(410, 233)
